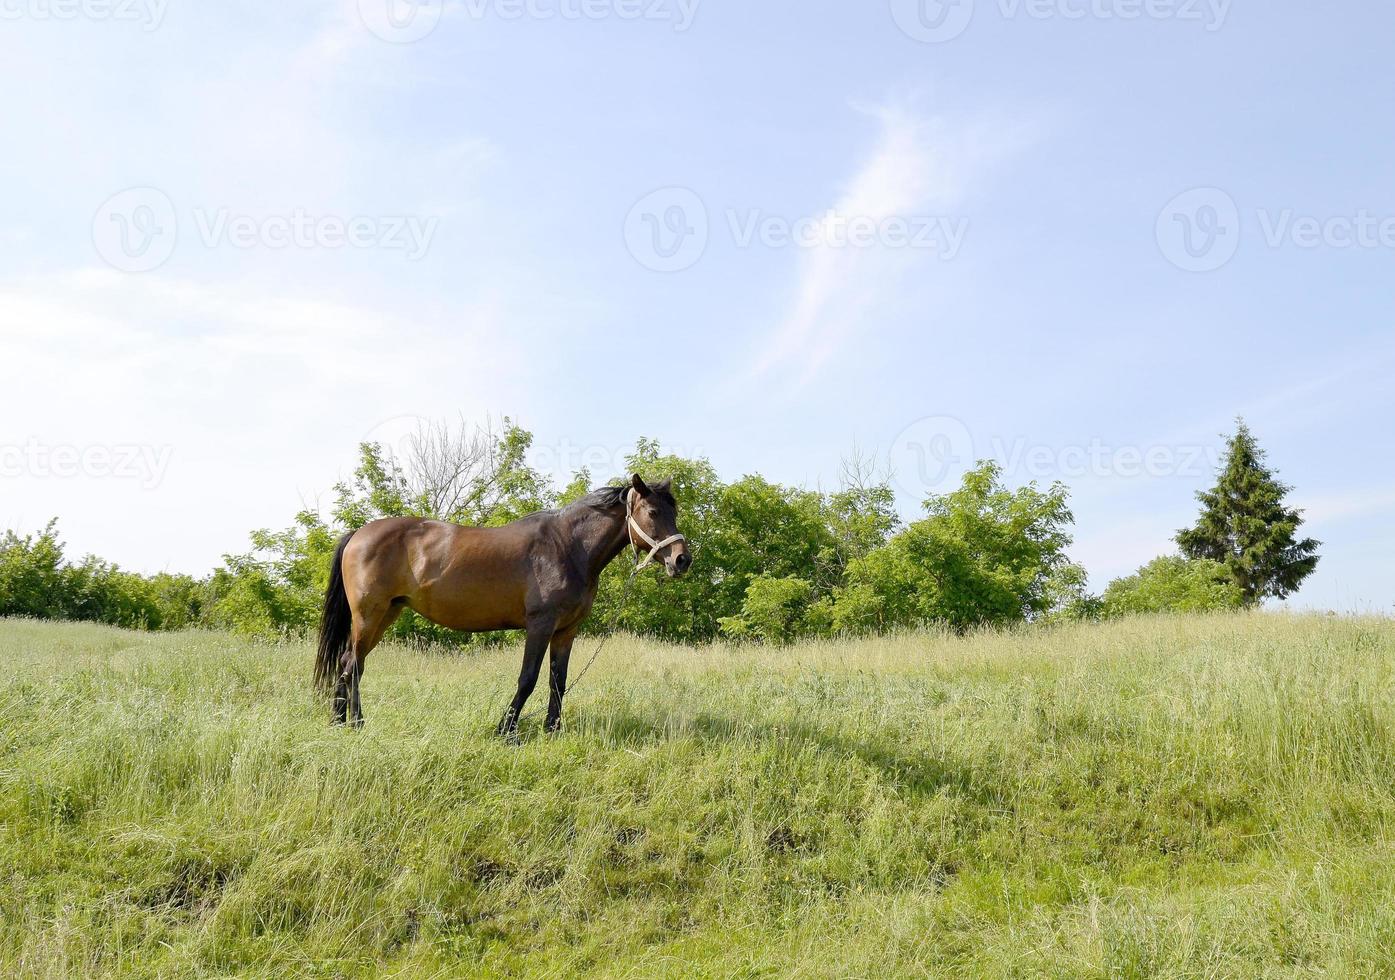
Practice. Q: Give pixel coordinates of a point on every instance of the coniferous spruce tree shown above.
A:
(1246, 526)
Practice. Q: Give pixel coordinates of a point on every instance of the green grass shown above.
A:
(1174, 797)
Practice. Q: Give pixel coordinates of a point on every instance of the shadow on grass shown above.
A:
(913, 773)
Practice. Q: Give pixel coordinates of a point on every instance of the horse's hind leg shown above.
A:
(368, 628)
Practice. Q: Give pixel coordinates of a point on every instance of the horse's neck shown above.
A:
(600, 539)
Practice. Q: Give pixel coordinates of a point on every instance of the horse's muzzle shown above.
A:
(678, 564)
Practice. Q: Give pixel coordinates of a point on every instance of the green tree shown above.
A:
(31, 574)
(1246, 526)
(982, 555)
(1172, 584)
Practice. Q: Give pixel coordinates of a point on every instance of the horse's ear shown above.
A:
(664, 486)
(640, 486)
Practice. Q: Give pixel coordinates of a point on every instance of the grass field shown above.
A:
(1172, 797)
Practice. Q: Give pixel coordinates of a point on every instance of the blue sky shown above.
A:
(1080, 236)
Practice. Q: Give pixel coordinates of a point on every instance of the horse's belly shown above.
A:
(478, 610)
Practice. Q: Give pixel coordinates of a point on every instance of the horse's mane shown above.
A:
(603, 499)
(607, 497)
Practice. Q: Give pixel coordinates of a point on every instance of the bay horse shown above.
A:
(537, 574)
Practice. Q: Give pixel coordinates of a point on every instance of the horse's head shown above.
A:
(653, 516)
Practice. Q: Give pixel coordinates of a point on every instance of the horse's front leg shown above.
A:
(539, 633)
(561, 656)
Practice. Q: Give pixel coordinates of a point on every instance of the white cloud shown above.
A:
(216, 334)
(920, 168)
(249, 395)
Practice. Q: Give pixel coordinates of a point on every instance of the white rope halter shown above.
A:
(634, 527)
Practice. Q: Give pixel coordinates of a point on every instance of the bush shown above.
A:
(1172, 584)
(37, 581)
(775, 610)
(772, 563)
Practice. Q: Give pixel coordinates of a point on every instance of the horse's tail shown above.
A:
(335, 622)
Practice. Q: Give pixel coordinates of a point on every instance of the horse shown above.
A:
(538, 574)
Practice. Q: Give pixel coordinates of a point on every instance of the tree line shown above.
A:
(772, 563)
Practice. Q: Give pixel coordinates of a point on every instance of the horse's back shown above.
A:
(465, 578)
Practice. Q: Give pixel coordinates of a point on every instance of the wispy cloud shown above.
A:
(920, 167)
